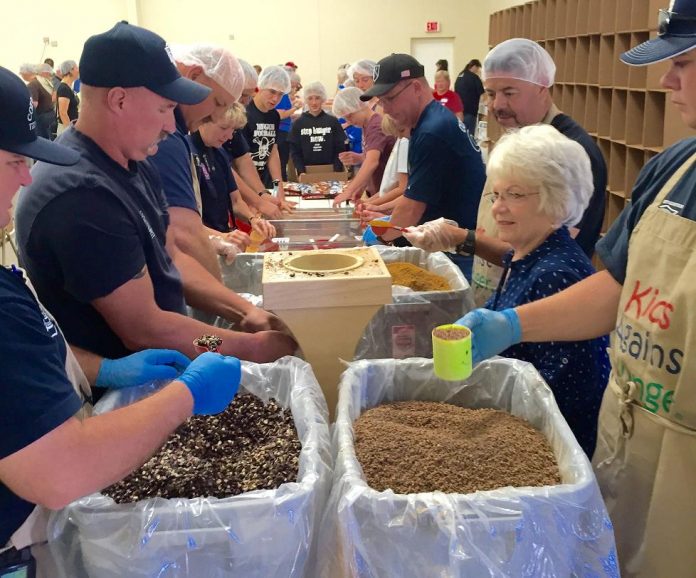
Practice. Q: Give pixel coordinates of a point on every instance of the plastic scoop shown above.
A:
(380, 227)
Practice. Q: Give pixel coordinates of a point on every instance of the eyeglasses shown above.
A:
(393, 97)
(510, 198)
(665, 17)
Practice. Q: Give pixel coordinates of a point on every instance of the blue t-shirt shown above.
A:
(591, 223)
(576, 371)
(445, 168)
(284, 104)
(216, 181)
(86, 230)
(613, 247)
(173, 161)
(37, 395)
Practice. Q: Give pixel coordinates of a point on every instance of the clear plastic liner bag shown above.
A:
(543, 532)
(402, 328)
(259, 534)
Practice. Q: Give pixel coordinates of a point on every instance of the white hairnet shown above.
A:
(27, 68)
(218, 64)
(520, 59)
(44, 68)
(251, 77)
(366, 67)
(347, 101)
(274, 78)
(348, 83)
(66, 66)
(315, 89)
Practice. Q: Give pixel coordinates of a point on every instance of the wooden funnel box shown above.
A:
(326, 298)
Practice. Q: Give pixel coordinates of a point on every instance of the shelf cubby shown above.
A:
(623, 15)
(594, 15)
(622, 42)
(654, 119)
(591, 109)
(634, 162)
(644, 14)
(579, 105)
(635, 109)
(618, 115)
(604, 114)
(606, 60)
(570, 54)
(607, 17)
(593, 60)
(617, 168)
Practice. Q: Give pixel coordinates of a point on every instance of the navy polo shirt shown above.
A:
(86, 230)
(446, 171)
(576, 371)
(216, 182)
(237, 146)
(173, 161)
(37, 395)
(613, 247)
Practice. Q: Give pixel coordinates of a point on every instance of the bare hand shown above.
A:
(269, 208)
(259, 320)
(263, 227)
(350, 158)
(268, 346)
(238, 238)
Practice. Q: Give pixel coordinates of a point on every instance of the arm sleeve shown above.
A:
(402, 158)
(340, 138)
(427, 170)
(97, 249)
(457, 105)
(376, 140)
(38, 396)
(237, 146)
(296, 148)
(613, 247)
(33, 91)
(174, 165)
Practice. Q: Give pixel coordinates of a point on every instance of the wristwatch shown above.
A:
(468, 247)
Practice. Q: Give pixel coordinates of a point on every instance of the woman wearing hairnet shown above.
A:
(316, 137)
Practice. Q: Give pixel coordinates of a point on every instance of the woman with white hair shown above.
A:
(67, 101)
(317, 137)
(541, 184)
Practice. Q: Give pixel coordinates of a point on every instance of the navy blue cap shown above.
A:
(18, 125)
(130, 56)
(677, 35)
(391, 70)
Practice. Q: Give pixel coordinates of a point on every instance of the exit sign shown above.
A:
(432, 26)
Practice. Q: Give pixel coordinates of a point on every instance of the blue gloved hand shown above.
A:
(369, 237)
(213, 380)
(492, 331)
(141, 367)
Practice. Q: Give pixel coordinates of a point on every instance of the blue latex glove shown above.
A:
(369, 237)
(213, 380)
(492, 331)
(141, 367)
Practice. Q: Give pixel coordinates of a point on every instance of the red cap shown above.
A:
(291, 64)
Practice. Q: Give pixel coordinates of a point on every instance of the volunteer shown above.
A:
(446, 172)
(645, 459)
(316, 138)
(447, 97)
(377, 146)
(51, 450)
(541, 182)
(95, 237)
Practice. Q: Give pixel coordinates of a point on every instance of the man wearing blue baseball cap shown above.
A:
(51, 450)
(645, 458)
(95, 238)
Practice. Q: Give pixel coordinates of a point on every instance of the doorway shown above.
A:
(428, 51)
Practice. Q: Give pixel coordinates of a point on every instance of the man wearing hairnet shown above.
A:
(517, 75)
(261, 131)
(316, 138)
(95, 238)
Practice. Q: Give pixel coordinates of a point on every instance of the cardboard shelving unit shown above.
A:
(624, 108)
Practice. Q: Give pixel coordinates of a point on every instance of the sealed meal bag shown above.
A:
(259, 534)
(540, 532)
(402, 328)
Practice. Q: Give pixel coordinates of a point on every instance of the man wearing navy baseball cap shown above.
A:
(96, 238)
(51, 450)
(446, 172)
(645, 460)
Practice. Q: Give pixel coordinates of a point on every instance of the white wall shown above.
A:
(68, 22)
(316, 34)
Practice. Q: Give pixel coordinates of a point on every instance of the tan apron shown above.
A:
(646, 450)
(485, 276)
(33, 531)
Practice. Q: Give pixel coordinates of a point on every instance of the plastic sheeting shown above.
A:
(402, 328)
(545, 532)
(260, 534)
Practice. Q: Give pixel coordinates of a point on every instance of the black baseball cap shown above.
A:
(676, 35)
(18, 125)
(131, 56)
(391, 70)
